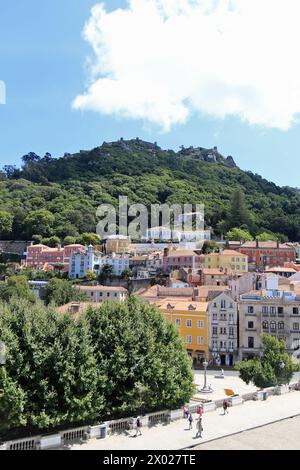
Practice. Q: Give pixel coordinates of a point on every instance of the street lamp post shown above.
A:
(206, 388)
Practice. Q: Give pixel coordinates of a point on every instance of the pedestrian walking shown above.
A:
(185, 412)
(199, 427)
(190, 420)
(138, 425)
(225, 407)
(200, 411)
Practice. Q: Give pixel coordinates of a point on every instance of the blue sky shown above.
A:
(42, 62)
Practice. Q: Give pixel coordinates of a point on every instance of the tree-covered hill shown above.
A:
(50, 196)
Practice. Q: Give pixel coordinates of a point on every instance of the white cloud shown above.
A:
(162, 60)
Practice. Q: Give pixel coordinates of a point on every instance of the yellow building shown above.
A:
(117, 244)
(191, 318)
(227, 260)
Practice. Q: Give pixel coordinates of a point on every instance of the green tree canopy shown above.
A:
(6, 223)
(16, 286)
(145, 361)
(238, 234)
(87, 239)
(237, 214)
(51, 376)
(40, 222)
(276, 367)
(266, 236)
(61, 292)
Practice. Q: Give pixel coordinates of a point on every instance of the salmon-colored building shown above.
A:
(40, 256)
(268, 254)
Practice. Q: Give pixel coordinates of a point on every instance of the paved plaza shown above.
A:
(176, 436)
(282, 435)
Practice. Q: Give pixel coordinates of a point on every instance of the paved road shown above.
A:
(283, 435)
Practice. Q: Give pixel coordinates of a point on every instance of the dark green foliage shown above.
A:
(144, 359)
(61, 292)
(50, 368)
(16, 286)
(71, 188)
(266, 372)
(118, 360)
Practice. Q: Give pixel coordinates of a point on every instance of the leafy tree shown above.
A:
(276, 367)
(89, 239)
(265, 237)
(61, 292)
(209, 246)
(6, 223)
(238, 213)
(238, 234)
(52, 377)
(106, 274)
(69, 241)
(12, 403)
(90, 275)
(52, 242)
(40, 221)
(16, 286)
(143, 357)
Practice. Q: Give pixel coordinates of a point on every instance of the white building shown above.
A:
(81, 262)
(104, 293)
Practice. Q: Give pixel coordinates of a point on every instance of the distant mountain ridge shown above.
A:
(71, 188)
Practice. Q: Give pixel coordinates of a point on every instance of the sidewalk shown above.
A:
(175, 436)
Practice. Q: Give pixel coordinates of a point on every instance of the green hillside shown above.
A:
(59, 196)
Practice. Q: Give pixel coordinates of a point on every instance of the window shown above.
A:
(273, 310)
(189, 323)
(273, 325)
(250, 309)
(189, 339)
(215, 317)
(215, 331)
(280, 310)
(223, 304)
(281, 325)
(250, 325)
(223, 331)
(231, 331)
(250, 342)
(200, 324)
(178, 322)
(200, 340)
(265, 325)
(223, 344)
(296, 326)
(295, 311)
(265, 309)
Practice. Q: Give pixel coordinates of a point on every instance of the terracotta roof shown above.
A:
(180, 253)
(268, 244)
(281, 270)
(213, 272)
(102, 288)
(182, 305)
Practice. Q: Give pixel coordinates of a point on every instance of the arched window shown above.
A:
(273, 325)
(281, 325)
(265, 325)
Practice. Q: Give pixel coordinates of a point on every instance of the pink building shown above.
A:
(39, 256)
(177, 259)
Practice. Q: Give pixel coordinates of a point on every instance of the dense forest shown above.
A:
(58, 196)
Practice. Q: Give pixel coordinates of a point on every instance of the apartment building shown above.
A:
(223, 330)
(191, 319)
(90, 260)
(272, 311)
(100, 294)
(117, 244)
(39, 256)
(227, 260)
(268, 254)
(177, 259)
